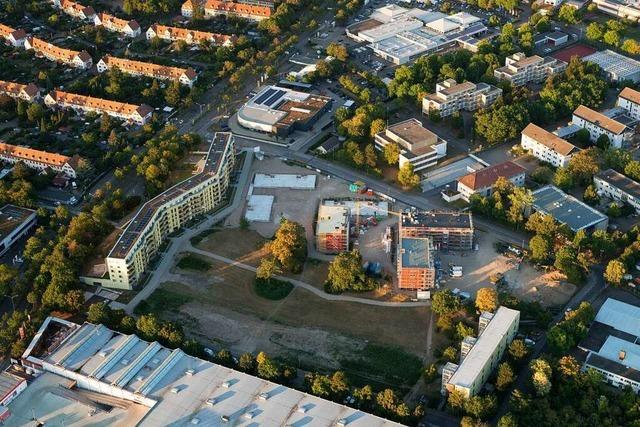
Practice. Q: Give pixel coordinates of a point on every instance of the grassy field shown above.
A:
(241, 245)
(193, 262)
(273, 289)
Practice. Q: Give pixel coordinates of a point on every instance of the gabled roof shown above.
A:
(66, 55)
(185, 33)
(148, 69)
(486, 177)
(99, 103)
(15, 88)
(599, 119)
(26, 153)
(77, 7)
(240, 8)
(6, 31)
(117, 23)
(550, 140)
(631, 95)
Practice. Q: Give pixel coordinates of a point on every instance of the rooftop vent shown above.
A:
(263, 396)
(175, 390)
(226, 384)
(225, 418)
(622, 354)
(342, 422)
(124, 362)
(155, 361)
(140, 378)
(190, 372)
(211, 401)
(103, 353)
(249, 415)
(195, 421)
(302, 410)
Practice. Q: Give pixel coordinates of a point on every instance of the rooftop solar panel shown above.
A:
(273, 98)
(265, 95)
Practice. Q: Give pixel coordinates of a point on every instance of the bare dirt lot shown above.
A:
(525, 282)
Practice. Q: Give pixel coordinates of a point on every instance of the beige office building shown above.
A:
(451, 96)
(520, 69)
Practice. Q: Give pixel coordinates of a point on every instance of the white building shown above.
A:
(168, 212)
(185, 76)
(28, 92)
(129, 28)
(418, 145)
(629, 100)
(190, 37)
(618, 187)
(15, 223)
(482, 181)
(52, 52)
(520, 69)
(603, 124)
(15, 38)
(615, 66)
(451, 96)
(480, 356)
(625, 9)
(39, 160)
(74, 9)
(547, 146)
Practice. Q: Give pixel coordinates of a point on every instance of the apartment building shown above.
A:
(185, 76)
(168, 212)
(242, 10)
(129, 28)
(415, 264)
(15, 223)
(74, 9)
(451, 96)
(418, 145)
(39, 160)
(54, 53)
(138, 114)
(447, 229)
(28, 92)
(618, 187)
(479, 357)
(481, 182)
(15, 38)
(625, 9)
(629, 100)
(547, 146)
(332, 229)
(520, 69)
(600, 124)
(189, 36)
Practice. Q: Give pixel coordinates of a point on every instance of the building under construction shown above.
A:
(448, 230)
(416, 270)
(332, 229)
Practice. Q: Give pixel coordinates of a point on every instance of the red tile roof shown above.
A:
(34, 155)
(630, 94)
(239, 8)
(15, 88)
(548, 139)
(184, 33)
(99, 103)
(488, 176)
(148, 69)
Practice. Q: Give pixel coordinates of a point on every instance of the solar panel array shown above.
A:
(270, 96)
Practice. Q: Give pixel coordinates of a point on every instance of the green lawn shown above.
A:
(193, 262)
(272, 289)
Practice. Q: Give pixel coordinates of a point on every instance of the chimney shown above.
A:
(622, 354)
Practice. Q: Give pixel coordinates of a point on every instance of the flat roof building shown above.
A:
(416, 270)
(447, 229)
(332, 229)
(566, 209)
(451, 96)
(418, 145)
(281, 111)
(618, 187)
(520, 69)
(547, 146)
(616, 67)
(480, 356)
(625, 9)
(614, 123)
(15, 223)
(481, 182)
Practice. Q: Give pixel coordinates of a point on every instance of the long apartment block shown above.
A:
(14, 37)
(76, 59)
(616, 186)
(129, 28)
(547, 146)
(39, 160)
(28, 92)
(185, 76)
(451, 97)
(255, 11)
(447, 229)
(189, 36)
(74, 9)
(169, 211)
(629, 100)
(138, 114)
(613, 123)
(520, 69)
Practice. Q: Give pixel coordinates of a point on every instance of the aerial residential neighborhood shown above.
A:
(325, 213)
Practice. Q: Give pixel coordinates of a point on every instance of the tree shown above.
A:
(507, 420)
(450, 354)
(543, 225)
(364, 396)
(289, 246)
(614, 273)
(34, 112)
(224, 357)
(173, 95)
(321, 385)
(456, 400)
(430, 373)
(563, 178)
(568, 14)
(603, 142)
(8, 276)
(481, 407)
(370, 156)
(377, 126)
(148, 326)
(267, 368)
(541, 249)
(487, 299)
(541, 383)
(559, 341)
(445, 302)
(502, 122)
(611, 38)
(463, 331)
(505, 376)
(407, 177)
(339, 384)
(518, 350)
(346, 274)
(268, 268)
(338, 51)
(391, 153)
(568, 367)
(99, 313)
(591, 196)
(631, 46)
(521, 199)
(594, 31)
(247, 362)
(583, 165)
(566, 262)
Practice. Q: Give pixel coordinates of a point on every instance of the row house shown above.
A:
(547, 146)
(482, 181)
(75, 10)
(451, 97)
(185, 76)
(14, 37)
(520, 69)
(54, 53)
(629, 100)
(599, 124)
(188, 36)
(40, 160)
(255, 11)
(129, 28)
(138, 114)
(28, 92)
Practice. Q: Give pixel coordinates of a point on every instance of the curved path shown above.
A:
(297, 283)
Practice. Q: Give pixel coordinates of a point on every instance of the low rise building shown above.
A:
(616, 67)
(629, 100)
(416, 268)
(551, 38)
(138, 114)
(168, 212)
(185, 76)
(618, 127)
(625, 9)
(280, 111)
(547, 146)
(28, 92)
(12, 383)
(129, 28)
(480, 356)
(618, 187)
(332, 229)
(15, 223)
(15, 38)
(189, 36)
(520, 69)
(74, 9)
(611, 345)
(568, 210)
(242, 10)
(39, 160)
(451, 97)
(52, 52)
(418, 145)
(448, 230)
(481, 182)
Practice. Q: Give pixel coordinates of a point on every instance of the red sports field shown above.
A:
(579, 50)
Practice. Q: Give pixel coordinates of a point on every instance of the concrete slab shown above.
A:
(259, 208)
